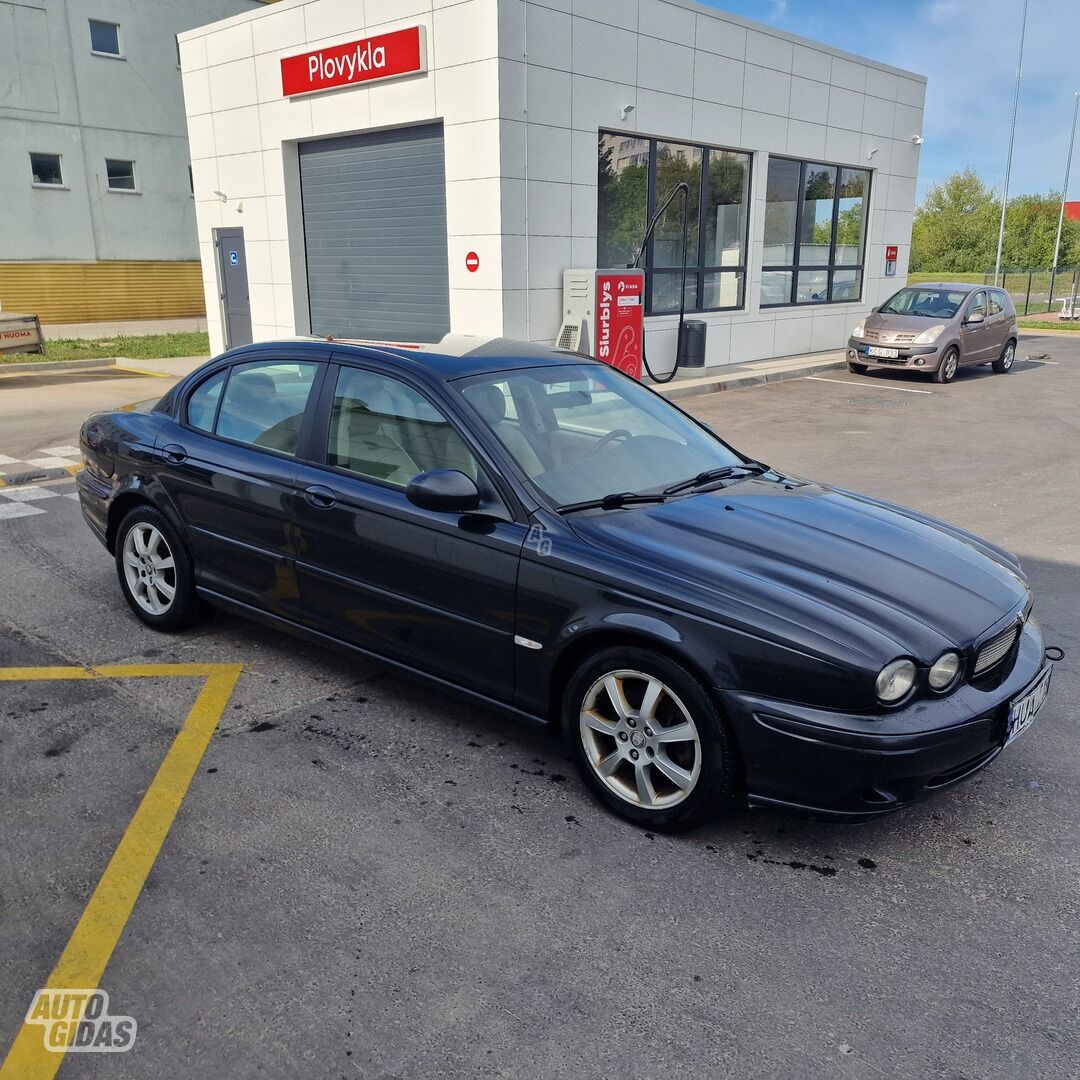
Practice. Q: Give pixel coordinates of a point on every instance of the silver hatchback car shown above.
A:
(937, 329)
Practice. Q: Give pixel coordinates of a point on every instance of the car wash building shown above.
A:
(401, 169)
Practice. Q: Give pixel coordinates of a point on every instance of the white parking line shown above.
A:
(870, 386)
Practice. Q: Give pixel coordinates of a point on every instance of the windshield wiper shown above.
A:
(711, 476)
(613, 502)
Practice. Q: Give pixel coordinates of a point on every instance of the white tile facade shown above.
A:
(522, 88)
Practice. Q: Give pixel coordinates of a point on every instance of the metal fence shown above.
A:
(1033, 291)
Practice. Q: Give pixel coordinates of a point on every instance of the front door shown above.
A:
(434, 591)
(232, 274)
(976, 338)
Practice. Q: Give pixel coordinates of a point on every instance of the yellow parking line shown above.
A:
(87, 953)
(142, 371)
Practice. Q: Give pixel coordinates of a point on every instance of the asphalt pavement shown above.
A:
(366, 878)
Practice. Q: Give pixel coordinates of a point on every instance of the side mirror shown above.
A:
(975, 318)
(446, 491)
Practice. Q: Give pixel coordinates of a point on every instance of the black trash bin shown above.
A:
(692, 344)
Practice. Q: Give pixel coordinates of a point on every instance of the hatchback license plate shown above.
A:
(1023, 709)
(888, 354)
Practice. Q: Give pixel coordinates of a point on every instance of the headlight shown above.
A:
(860, 327)
(928, 337)
(895, 680)
(943, 673)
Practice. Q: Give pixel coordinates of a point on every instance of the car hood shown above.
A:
(821, 567)
(903, 324)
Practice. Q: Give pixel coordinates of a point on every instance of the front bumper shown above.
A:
(914, 357)
(855, 767)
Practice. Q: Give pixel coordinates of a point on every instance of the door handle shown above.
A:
(321, 497)
(174, 453)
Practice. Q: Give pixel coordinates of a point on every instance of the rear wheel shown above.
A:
(1004, 362)
(155, 571)
(946, 370)
(856, 369)
(649, 740)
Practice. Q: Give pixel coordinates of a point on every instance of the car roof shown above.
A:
(956, 286)
(456, 356)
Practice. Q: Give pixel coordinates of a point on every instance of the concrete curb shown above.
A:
(1032, 331)
(744, 376)
(55, 365)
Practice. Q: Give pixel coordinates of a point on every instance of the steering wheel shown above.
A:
(606, 440)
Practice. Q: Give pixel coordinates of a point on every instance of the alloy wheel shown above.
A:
(149, 568)
(950, 366)
(640, 739)
(1010, 355)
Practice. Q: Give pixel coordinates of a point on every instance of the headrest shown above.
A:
(489, 401)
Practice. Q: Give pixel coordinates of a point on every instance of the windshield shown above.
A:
(582, 432)
(927, 302)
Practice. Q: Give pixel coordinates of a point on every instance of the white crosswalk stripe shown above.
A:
(26, 501)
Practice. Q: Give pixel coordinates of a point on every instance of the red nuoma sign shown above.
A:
(386, 56)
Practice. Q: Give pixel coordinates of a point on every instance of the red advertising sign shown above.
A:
(620, 319)
(386, 56)
(890, 253)
(472, 262)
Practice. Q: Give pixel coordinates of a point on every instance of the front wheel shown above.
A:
(946, 370)
(1004, 362)
(155, 571)
(649, 740)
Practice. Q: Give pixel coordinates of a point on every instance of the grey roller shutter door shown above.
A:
(375, 234)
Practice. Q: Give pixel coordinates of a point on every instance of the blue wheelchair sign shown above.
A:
(234, 258)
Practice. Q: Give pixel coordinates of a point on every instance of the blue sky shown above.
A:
(967, 49)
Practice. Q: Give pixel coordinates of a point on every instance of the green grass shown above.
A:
(1041, 324)
(149, 347)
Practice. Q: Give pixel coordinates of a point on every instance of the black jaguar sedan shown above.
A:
(539, 532)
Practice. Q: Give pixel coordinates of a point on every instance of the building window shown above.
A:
(104, 38)
(815, 233)
(45, 170)
(121, 174)
(635, 175)
(191, 180)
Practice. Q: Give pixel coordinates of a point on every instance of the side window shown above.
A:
(994, 305)
(202, 405)
(977, 305)
(383, 429)
(264, 404)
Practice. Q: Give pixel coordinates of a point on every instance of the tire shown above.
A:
(946, 370)
(662, 783)
(856, 369)
(1003, 364)
(151, 560)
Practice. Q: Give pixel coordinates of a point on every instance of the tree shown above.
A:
(956, 228)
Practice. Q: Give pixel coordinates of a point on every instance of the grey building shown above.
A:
(98, 216)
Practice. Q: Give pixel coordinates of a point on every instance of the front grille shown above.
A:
(890, 337)
(996, 649)
(889, 360)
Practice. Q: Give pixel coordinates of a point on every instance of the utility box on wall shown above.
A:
(604, 315)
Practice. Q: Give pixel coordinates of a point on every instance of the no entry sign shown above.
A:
(472, 262)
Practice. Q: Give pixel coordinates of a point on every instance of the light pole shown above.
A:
(1064, 196)
(1012, 136)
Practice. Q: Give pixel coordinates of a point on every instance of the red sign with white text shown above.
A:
(386, 56)
(620, 319)
(890, 253)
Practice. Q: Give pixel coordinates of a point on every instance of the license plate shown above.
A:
(1023, 709)
(877, 350)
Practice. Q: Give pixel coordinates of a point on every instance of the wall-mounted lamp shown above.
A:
(222, 196)
(873, 150)
(917, 140)
(625, 111)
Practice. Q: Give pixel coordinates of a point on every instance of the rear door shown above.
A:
(229, 467)
(432, 590)
(976, 338)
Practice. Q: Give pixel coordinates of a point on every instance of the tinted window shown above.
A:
(264, 404)
(383, 429)
(45, 169)
(104, 37)
(202, 405)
